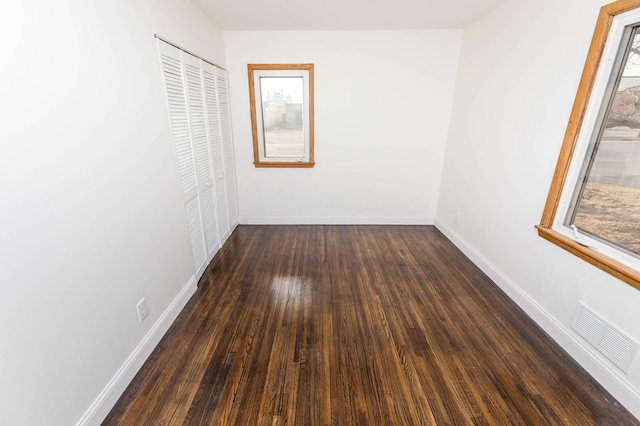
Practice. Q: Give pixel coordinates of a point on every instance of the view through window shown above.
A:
(607, 204)
(282, 102)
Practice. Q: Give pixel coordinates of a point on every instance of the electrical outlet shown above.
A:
(143, 309)
(458, 218)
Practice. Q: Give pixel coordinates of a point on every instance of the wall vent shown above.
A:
(618, 348)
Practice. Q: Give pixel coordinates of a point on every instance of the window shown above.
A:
(593, 208)
(281, 97)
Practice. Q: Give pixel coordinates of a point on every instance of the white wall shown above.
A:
(518, 75)
(382, 106)
(90, 216)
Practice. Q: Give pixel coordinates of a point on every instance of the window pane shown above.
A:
(282, 101)
(607, 205)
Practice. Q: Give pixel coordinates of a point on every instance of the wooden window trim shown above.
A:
(254, 126)
(607, 264)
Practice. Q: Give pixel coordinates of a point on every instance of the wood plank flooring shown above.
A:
(356, 325)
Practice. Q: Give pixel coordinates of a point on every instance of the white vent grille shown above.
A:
(617, 347)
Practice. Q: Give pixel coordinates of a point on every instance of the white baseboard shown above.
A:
(607, 375)
(101, 406)
(333, 220)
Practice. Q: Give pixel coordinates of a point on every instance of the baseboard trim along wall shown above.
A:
(334, 220)
(105, 401)
(605, 374)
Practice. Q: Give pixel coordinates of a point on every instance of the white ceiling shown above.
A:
(273, 15)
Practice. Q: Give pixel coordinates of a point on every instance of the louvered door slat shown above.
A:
(225, 121)
(196, 236)
(232, 206)
(213, 119)
(178, 119)
(209, 215)
(198, 129)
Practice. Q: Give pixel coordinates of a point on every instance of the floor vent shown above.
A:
(617, 347)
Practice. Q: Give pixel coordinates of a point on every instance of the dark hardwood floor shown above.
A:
(367, 325)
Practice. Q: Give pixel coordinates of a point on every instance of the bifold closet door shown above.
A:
(215, 142)
(171, 65)
(192, 72)
(198, 104)
(227, 147)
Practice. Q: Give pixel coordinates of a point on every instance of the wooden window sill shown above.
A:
(588, 254)
(284, 164)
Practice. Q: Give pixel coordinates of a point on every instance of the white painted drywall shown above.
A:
(382, 106)
(518, 75)
(90, 212)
